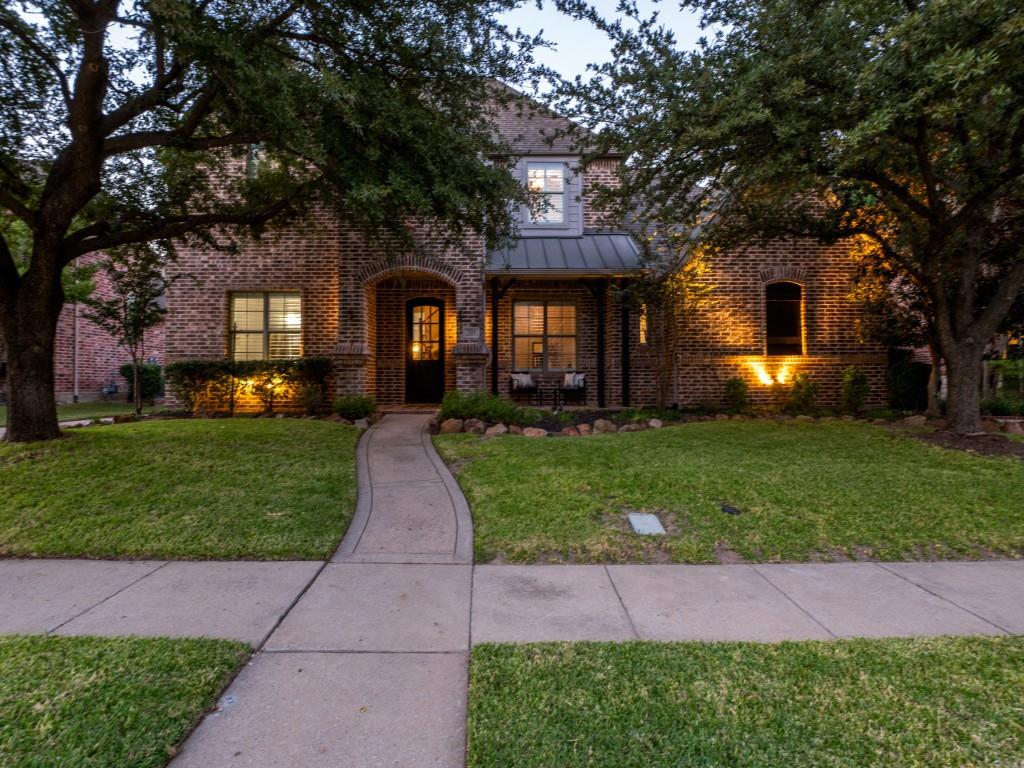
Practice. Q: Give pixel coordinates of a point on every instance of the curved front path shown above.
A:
(369, 667)
(410, 508)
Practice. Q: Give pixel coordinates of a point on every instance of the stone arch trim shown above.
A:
(784, 275)
(386, 266)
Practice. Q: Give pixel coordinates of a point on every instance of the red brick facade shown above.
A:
(86, 358)
(354, 292)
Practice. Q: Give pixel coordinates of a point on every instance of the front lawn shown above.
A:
(94, 702)
(96, 410)
(925, 702)
(805, 491)
(271, 489)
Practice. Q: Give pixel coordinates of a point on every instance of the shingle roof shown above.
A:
(529, 127)
(600, 253)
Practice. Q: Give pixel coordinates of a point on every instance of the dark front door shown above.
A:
(424, 352)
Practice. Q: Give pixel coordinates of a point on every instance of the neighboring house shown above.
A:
(87, 359)
(407, 328)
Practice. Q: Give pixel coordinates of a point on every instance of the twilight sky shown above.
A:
(577, 43)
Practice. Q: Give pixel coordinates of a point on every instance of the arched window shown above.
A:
(783, 312)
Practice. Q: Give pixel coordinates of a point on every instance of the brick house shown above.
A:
(86, 359)
(407, 327)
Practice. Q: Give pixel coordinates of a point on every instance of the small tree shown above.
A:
(137, 284)
(671, 288)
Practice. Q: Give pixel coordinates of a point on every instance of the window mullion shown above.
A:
(266, 325)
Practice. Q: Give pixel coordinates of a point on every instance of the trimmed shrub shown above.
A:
(908, 385)
(151, 380)
(855, 390)
(802, 394)
(354, 407)
(217, 384)
(1001, 406)
(736, 391)
(484, 406)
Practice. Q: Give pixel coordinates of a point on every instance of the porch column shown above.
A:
(600, 292)
(624, 366)
(470, 352)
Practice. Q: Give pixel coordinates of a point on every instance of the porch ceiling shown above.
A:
(603, 253)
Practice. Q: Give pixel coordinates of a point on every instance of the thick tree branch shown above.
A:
(145, 139)
(901, 193)
(1009, 290)
(18, 208)
(18, 28)
(99, 238)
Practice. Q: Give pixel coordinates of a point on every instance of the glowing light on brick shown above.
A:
(762, 375)
(782, 375)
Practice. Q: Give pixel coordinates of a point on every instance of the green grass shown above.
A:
(74, 411)
(271, 489)
(925, 702)
(92, 702)
(806, 491)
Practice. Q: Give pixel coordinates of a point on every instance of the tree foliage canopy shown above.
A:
(127, 122)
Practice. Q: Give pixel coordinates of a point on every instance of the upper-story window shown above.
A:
(266, 325)
(547, 182)
(784, 319)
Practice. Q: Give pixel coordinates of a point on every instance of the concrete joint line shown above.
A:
(622, 603)
(111, 596)
(799, 607)
(943, 598)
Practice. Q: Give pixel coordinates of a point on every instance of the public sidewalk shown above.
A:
(363, 661)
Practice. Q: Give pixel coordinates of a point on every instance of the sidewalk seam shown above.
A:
(799, 607)
(622, 603)
(111, 596)
(280, 619)
(943, 598)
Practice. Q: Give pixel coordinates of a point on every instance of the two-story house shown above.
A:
(407, 327)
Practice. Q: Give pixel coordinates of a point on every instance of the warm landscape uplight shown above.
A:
(763, 376)
(781, 376)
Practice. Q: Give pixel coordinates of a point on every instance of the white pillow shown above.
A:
(522, 381)
(574, 380)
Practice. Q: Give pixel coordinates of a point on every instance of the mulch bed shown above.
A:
(987, 445)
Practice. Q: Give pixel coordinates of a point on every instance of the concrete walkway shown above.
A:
(362, 661)
(369, 668)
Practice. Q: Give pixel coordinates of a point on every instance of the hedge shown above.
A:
(226, 385)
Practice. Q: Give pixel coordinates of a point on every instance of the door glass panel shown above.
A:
(425, 339)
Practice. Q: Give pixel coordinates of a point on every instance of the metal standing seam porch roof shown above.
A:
(597, 253)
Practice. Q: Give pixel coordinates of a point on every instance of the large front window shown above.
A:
(547, 183)
(544, 336)
(266, 325)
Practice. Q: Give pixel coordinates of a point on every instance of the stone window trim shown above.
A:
(293, 335)
(545, 336)
(776, 315)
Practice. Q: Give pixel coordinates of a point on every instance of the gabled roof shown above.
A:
(595, 253)
(531, 128)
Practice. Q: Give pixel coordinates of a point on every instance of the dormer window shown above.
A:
(547, 183)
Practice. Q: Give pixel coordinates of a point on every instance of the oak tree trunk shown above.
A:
(28, 317)
(31, 405)
(963, 405)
